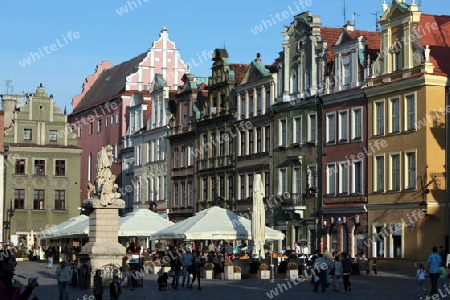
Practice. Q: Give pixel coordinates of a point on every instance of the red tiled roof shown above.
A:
(109, 84)
(373, 37)
(239, 71)
(331, 35)
(438, 41)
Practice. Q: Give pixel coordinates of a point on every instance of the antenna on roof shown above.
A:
(377, 22)
(354, 19)
(9, 87)
(345, 15)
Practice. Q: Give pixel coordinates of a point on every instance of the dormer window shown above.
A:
(398, 60)
(346, 71)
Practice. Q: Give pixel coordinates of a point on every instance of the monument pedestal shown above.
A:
(103, 251)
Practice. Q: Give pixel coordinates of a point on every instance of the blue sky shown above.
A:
(69, 38)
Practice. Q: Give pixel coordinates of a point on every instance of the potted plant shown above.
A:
(228, 268)
(237, 272)
(208, 270)
(292, 270)
(263, 271)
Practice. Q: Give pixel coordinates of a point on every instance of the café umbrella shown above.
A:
(258, 218)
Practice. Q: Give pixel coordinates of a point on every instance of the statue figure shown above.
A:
(90, 189)
(105, 189)
(427, 53)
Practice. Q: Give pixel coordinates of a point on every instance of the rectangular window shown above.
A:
(243, 143)
(191, 193)
(379, 115)
(205, 146)
(357, 124)
(297, 185)
(99, 125)
(258, 140)
(395, 172)
(379, 174)
(60, 167)
(267, 184)
(221, 144)
(250, 185)
(331, 128)
(27, 134)
(343, 126)
(242, 186)
(205, 189)
(19, 199)
(39, 167)
(183, 157)
(250, 142)
(343, 178)
(267, 138)
(176, 195)
(250, 104)
(38, 199)
(297, 130)
(189, 158)
(357, 177)
(312, 128)
(230, 146)
(176, 157)
(230, 187)
(243, 107)
(258, 102)
(60, 200)
(268, 98)
(395, 115)
(183, 194)
(410, 112)
(213, 143)
(20, 166)
(396, 233)
(222, 186)
(282, 131)
(91, 127)
(312, 176)
(331, 179)
(411, 170)
(117, 118)
(53, 135)
(283, 181)
(106, 121)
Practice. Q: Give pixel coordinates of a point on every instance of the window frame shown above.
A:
(407, 113)
(331, 177)
(394, 115)
(53, 135)
(297, 130)
(58, 199)
(394, 182)
(341, 137)
(407, 167)
(58, 166)
(330, 137)
(312, 128)
(355, 125)
(379, 120)
(38, 199)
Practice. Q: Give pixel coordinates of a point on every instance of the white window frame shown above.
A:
(355, 125)
(331, 176)
(407, 168)
(376, 183)
(343, 126)
(394, 120)
(361, 181)
(282, 143)
(330, 132)
(407, 125)
(297, 180)
(312, 128)
(346, 68)
(376, 129)
(297, 130)
(282, 185)
(344, 172)
(391, 171)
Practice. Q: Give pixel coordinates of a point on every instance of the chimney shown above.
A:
(10, 102)
(349, 26)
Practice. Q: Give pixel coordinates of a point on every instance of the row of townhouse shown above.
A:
(40, 167)
(346, 129)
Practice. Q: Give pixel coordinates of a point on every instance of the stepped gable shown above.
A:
(109, 84)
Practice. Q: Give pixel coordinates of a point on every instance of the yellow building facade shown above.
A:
(406, 139)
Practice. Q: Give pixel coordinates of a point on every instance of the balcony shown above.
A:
(294, 205)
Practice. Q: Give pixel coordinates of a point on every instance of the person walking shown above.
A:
(337, 266)
(50, 255)
(126, 272)
(346, 271)
(8, 289)
(420, 278)
(196, 268)
(186, 261)
(114, 288)
(434, 262)
(98, 285)
(64, 276)
(321, 272)
(175, 266)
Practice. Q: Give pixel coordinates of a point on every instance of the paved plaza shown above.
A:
(384, 285)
